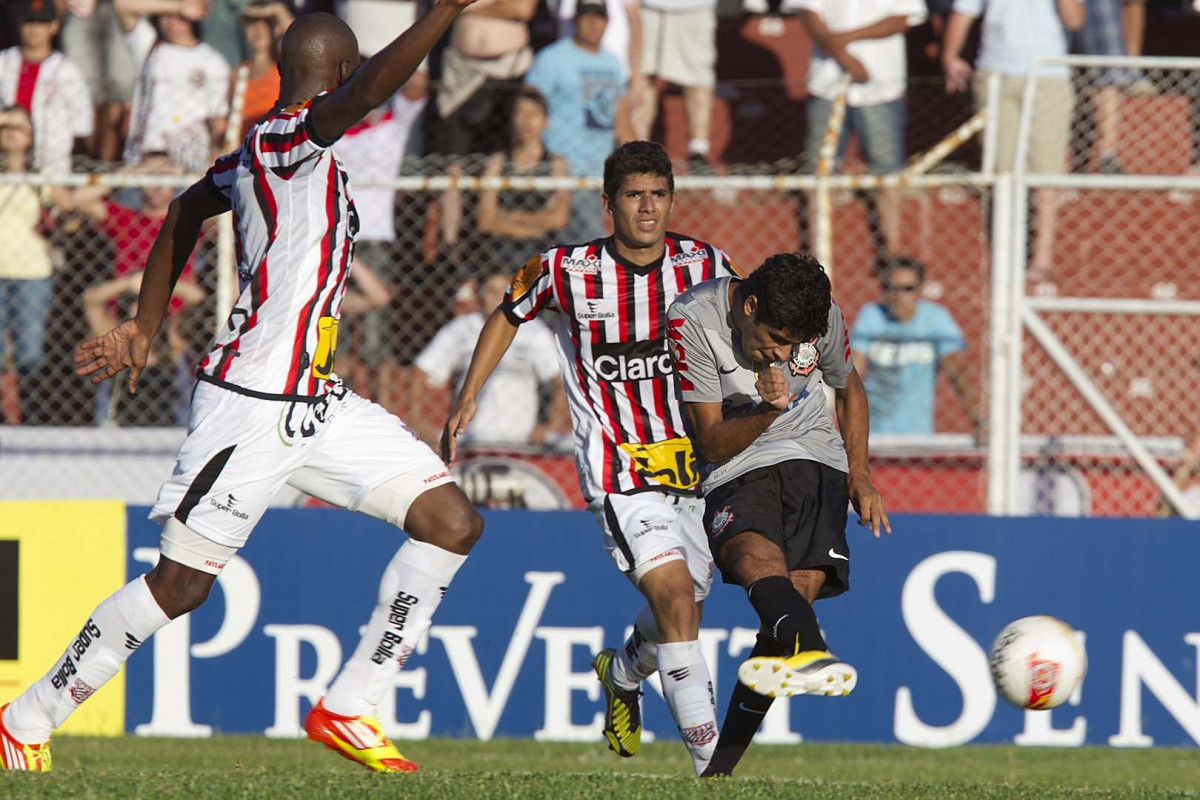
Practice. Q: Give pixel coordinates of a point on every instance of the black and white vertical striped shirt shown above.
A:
(294, 226)
(612, 340)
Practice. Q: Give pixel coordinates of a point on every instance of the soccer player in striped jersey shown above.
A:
(268, 409)
(635, 463)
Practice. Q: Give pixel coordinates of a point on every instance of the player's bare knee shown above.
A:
(672, 599)
(178, 589)
(462, 530)
(445, 519)
(677, 616)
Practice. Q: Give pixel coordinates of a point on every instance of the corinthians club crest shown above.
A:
(804, 357)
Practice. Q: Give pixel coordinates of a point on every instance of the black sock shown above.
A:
(744, 715)
(785, 614)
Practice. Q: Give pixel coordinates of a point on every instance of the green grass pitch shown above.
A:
(237, 768)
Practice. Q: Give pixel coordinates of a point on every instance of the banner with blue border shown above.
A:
(509, 650)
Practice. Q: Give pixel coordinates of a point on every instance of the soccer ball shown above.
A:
(1038, 662)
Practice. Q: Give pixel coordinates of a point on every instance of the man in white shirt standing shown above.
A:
(679, 45)
(48, 85)
(865, 40)
(508, 407)
(1015, 32)
(181, 97)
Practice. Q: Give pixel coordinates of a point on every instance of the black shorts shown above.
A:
(799, 505)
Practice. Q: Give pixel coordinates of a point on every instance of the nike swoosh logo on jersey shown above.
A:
(833, 554)
(742, 706)
(729, 371)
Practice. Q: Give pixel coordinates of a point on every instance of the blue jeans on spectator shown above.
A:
(24, 308)
(879, 128)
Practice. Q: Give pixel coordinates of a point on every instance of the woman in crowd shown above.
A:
(25, 268)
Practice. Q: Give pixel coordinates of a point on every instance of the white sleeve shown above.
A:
(287, 140)
(140, 41)
(915, 11)
(222, 175)
(692, 356)
(545, 351)
(437, 360)
(8, 77)
(79, 99)
(218, 87)
(971, 8)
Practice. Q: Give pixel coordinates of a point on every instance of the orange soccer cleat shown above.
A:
(17, 755)
(359, 739)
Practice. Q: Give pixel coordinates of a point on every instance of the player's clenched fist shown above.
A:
(772, 387)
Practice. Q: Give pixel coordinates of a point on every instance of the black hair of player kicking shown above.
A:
(636, 158)
(793, 294)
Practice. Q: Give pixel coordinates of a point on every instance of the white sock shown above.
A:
(410, 591)
(637, 659)
(688, 691)
(115, 629)
(698, 146)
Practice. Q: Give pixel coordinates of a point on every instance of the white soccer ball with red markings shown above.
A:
(1038, 662)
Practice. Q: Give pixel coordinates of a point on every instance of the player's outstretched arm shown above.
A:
(497, 334)
(854, 420)
(382, 75)
(128, 344)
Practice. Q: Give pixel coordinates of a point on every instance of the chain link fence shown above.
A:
(1109, 367)
(430, 243)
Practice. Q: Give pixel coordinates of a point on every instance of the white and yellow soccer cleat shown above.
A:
(622, 714)
(359, 739)
(807, 672)
(20, 756)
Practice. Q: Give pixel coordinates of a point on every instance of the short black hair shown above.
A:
(636, 158)
(901, 262)
(528, 92)
(793, 294)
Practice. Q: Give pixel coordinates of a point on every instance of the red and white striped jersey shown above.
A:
(612, 340)
(295, 224)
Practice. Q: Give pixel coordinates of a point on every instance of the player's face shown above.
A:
(764, 343)
(641, 210)
(589, 29)
(901, 289)
(528, 121)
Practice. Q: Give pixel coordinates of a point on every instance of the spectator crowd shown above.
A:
(519, 88)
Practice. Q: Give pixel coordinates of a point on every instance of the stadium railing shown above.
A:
(1032, 456)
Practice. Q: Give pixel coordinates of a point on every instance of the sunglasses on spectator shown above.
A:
(901, 287)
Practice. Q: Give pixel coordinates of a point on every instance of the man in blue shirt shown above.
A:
(585, 87)
(900, 344)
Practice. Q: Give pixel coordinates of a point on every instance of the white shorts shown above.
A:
(680, 46)
(241, 450)
(647, 529)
